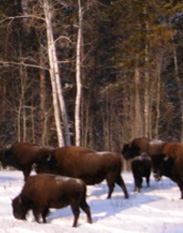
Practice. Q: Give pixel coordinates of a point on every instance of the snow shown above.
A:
(157, 209)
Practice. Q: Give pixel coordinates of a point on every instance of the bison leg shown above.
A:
(121, 183)
(26, 172)
(136, 188)
(85, 207)
(36, 212)
(138, 183)
(36, 216)
(147, 180)
(110, 184)
(76, 212)
(45, 214)
(181, 188)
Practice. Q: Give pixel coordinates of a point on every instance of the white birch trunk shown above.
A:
(56, 79)
(78, 81)
(53, 71)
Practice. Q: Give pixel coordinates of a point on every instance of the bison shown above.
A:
(22, 156)
(44, 191)
(90, 166)
(141, 145)
(167, 158)
(141, 167)
(169, 165)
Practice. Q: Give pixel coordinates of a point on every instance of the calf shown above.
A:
(45, 191)
(141, 167)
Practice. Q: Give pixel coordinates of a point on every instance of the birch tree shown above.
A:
(78, 79)
(58, 100)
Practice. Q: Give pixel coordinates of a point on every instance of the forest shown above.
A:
(91, 73)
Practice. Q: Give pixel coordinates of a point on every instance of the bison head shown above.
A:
(135, 148)
(162, 165)
(19, 208)
(46, 165)
(130, 151)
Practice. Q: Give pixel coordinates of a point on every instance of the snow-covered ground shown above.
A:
(157, 209)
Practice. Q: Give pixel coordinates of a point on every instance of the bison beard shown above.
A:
(44, 191)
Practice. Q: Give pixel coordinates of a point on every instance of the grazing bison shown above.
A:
(141, 167)
(90, 166)
(23, 155)
(167, 158)
(45, 191)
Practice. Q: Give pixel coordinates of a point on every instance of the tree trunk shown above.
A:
(78, 80)
(55, 81)
(33, 123)
(42, 106)
(146, 97)
(138, 119)
(21, 117)
(156, 133)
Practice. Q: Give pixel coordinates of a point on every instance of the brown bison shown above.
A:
(141, 167)
(90, 166)
(167, 158)
(23, 155)
(141, 145)
(169, 165)
(45, 191)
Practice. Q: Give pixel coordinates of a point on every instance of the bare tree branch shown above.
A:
(20, 17)
(9, 63)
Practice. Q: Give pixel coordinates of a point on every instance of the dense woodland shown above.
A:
(117, 67)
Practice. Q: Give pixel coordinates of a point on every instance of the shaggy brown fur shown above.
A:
(44, 191)
(167, 158)
(90, 166)
(23, 155)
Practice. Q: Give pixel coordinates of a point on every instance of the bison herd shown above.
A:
(64, 173)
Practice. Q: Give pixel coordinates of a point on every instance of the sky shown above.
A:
(157, 209)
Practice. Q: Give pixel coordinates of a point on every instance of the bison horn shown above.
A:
(20, 200)
(166, 157)
(49, 158)
(8, 146)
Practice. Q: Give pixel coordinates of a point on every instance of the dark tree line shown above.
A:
(131, 71)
